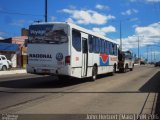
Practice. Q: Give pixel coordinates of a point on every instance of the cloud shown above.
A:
(129, 12)
(146, 1)
(133, 0)
(152, 0)
(104, 30)
(151, 30)
(53, 18)
(72, 7)
(102, 7)
(134, 26)
(147, 35)
(2, 33)
(87, 16)
(18, 23)
(70, 20)
(134, 19)
(1, 38)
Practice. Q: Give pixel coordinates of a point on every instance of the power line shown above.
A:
(141, 43)
(17, 13)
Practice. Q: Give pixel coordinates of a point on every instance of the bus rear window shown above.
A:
(76, 40)
(51, 34)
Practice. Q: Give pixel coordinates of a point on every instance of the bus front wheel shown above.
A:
(125, 69)
(131, 69)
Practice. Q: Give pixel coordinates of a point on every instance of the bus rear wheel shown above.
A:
(131, 69)
(114, 69)
(94, 74)
(63, 78)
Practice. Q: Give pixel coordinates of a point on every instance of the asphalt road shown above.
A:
(134, 92)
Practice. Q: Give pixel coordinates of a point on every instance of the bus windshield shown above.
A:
(49, 34)
(128, 55)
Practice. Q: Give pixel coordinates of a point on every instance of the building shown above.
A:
(22, 56)
(10, 51)
(24, 32)
(14, 49)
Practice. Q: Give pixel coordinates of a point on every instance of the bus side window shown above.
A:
(76, 40)
(94, 44)
(110, 48)
(100, 45)
(97, 45)
(105, 51)
(91, 43)
(103, 46)
(115, 49)
(107, 47)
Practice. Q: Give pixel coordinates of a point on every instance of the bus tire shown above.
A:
(126, 68)
(94, 73)
(60, 77)
(131, 69)
(63, 78)
(114, 68)
(120, 70)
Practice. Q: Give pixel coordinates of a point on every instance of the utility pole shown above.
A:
(151, 54)
(154, 56)
(138, 46)
(120, 30)
(147, 52)
(46, 10)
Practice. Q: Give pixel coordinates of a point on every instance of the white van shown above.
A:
(4, 63)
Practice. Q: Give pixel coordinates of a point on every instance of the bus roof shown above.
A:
(78, 28)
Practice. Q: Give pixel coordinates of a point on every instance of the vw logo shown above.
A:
(59, 56)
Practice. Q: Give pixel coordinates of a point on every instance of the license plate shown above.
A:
(46, 70)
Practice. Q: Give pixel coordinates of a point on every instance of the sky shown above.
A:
(139, 19)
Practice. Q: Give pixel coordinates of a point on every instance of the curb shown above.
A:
(12, 72)
(150, 104)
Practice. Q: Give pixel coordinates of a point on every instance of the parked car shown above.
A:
(157, 64)
(4, 63)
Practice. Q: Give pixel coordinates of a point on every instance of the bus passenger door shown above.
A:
(84, 54)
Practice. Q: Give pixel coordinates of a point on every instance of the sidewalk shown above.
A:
(13, 71)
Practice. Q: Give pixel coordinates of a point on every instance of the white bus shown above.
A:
(65, 49)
